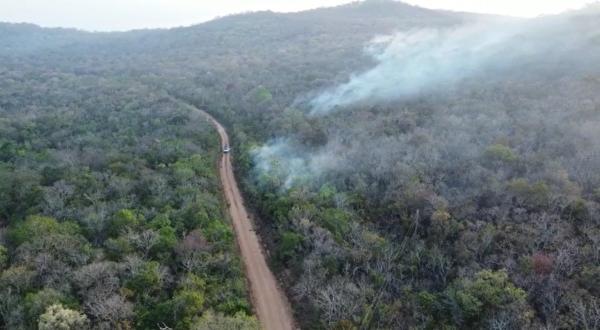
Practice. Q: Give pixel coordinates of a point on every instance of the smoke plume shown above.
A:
(428, 60)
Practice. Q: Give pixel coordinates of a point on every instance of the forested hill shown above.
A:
(411, 168)
(238, 30)
(17, 39)
(235, 47)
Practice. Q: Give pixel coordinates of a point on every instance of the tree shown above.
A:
(191, 249)
(37, 303)
(473, 302)
(11, 305)
(590, 279)
(113, 312)
(144, 241)
(167, 241)
(240, 321)
(148, 279)
(586, 310)
(39, 226)
(123, 220)
(3, 258)
(288, 248)
(499, 154)
(57, 317)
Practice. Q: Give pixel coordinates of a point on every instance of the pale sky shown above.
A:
(118, 15)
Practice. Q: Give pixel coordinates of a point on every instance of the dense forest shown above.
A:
(408, 169)
(111, 209)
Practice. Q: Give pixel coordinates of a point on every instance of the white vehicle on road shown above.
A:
(226, 149)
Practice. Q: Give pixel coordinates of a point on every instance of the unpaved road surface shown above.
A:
(270, 304)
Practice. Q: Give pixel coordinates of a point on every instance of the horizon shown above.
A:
(118, 15)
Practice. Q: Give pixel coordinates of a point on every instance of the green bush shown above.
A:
(218, 232)
(37, 226)
(577, 211)
(494, 289)
(117, 248)
(470, 302)
(289, 245)
(263, 95)
(147, 279)
(35, 304)
(167, 240)
(3, 258)
(535, 195)
(499, 154)
(336, 221)
(122, 220)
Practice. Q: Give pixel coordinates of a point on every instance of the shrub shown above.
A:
(289, 245)
(37, 226)
(470, 302)
(3, 258)
(336, 221)
(36, 304)
(495, 289)
(536, 195)
(147, 279)
(499, 154)
(122, 220)
(578, 211)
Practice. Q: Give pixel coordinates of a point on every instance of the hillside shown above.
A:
(408, 168)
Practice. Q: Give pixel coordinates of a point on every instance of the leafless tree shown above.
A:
(587, 312)
(144, 241)
(110, 312)
(56, 198)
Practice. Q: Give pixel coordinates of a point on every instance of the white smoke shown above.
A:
(417, 61)
(288, 165)
(430, 60)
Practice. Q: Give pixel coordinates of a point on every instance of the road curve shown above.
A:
(270, 304)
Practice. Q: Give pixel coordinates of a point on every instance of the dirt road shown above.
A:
(270, 304)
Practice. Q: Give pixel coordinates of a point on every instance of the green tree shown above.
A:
(499, 154)
(289, 246)
(535, 195)
(147, 279)
(167, 240)
(122, 220)
(263, 95)
(472, 301)
(35, 304)
(3, 258)
(39, 226)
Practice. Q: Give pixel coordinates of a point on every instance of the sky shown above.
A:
(120, 15)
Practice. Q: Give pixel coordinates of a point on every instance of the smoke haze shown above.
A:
(424, 60)
(417, 61)
(510, 57)
(288, 164)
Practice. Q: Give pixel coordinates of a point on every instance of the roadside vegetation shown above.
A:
(111, 210)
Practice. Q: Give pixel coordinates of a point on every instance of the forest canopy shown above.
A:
(407, 168)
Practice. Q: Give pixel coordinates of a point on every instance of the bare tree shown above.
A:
(587, 312)
(144, 241)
